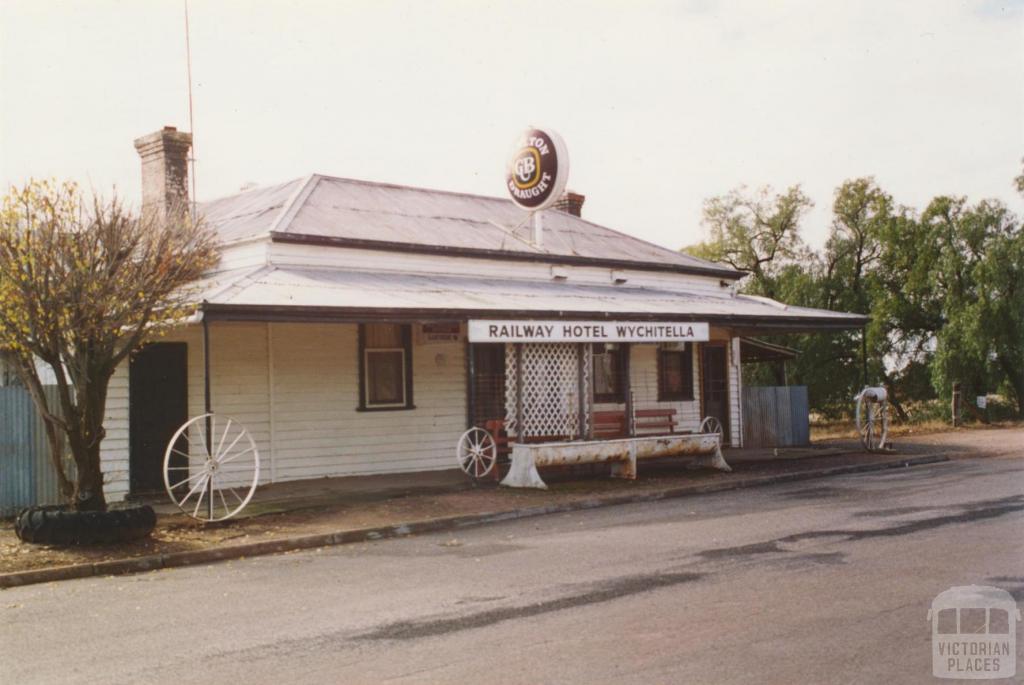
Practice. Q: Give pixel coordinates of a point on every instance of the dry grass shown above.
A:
(846, 429)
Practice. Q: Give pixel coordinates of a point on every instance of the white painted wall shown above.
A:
(296, 387)
(114, 448)
(296, 255)
(319, 432)
(244, 253)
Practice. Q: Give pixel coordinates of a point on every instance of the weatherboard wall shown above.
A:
(298, 255)
(114, 448)
(295, 387)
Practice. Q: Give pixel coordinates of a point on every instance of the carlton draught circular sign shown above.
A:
(538, 169)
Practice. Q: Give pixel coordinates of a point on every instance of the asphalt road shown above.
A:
(825, 581)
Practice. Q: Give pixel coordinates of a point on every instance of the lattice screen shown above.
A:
(550, 390)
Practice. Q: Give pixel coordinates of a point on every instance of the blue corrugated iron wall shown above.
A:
(775, 416)
(26, 472)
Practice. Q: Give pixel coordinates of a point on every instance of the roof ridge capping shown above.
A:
(280, 229)
(294, 202)
(571, 217)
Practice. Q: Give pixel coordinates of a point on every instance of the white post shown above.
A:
(538, 228)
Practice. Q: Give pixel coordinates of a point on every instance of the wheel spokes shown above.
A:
(202, 439)
(204, 473)
(475, 452)
(193, 477)
(201, 485)
(236, 456)
(199, 502)
(223, 435)
(230, 447)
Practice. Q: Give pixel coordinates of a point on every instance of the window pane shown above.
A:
(998, 622)
(675, 374)
(383, 335)
(606, 373)
(384, 378)
(946, 623)
(972, 621)
(672, 372)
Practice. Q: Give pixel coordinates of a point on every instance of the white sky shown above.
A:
(661, 104)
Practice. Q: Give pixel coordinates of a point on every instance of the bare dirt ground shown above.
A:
(180, 533)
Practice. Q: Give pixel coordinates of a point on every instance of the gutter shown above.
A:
(288, 313)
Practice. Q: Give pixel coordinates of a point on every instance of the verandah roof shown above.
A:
(319, 294)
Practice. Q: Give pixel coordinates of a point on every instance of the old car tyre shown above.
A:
(58, 525)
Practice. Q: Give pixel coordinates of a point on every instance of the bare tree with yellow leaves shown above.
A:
(83, 283)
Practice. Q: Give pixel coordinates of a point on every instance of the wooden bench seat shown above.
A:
(612, 424)
(655, 421)
(609, 424)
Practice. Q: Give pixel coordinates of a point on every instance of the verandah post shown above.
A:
(520, 423)
(581, 388)
(207, 408)
(627, 389)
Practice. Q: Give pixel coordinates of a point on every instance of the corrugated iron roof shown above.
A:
(273, 287)
(338, 208)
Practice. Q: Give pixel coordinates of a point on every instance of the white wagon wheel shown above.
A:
(710, 424)
(476, 452)
(872, 422)
(211, 467)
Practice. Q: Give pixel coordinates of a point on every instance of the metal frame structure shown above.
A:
(872, 417)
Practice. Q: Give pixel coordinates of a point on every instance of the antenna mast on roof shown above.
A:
(191, 123)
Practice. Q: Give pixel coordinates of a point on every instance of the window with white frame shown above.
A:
(385, 356)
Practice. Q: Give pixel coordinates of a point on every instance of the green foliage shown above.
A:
(978, 281)
(756, 233)
(944, 290)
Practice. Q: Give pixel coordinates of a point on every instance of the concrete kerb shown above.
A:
(266, 547)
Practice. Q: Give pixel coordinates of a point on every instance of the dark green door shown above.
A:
(157, 407)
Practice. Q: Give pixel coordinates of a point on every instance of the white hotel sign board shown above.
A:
(484, 330)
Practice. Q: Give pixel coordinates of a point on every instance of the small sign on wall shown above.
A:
(435, 333)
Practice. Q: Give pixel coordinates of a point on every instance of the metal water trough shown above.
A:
(623, 453)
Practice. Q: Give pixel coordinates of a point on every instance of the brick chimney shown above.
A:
(164, 169)
(570, 203)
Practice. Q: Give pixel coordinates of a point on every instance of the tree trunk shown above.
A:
(89, 483)
(85, 437)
